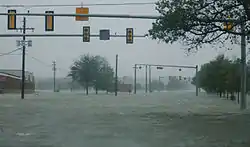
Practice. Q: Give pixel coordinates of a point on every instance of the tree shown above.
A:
(104, 76)
(220, 76)
(84, 70)
(199, 22)
(92, 71)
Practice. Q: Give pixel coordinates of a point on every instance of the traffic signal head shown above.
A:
(129, 35)
(86, 34)
(49, 21)
(11, 19)
(228, 26)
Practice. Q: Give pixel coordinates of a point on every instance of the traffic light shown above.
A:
(86, 34)
(129, 35)
(11, 20)
(49, 21)
(228, 25)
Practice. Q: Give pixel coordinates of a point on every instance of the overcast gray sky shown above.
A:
(65, 50)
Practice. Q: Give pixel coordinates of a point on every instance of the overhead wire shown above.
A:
(34, 58)
(46, 64)
(9, 53)
(76, 5)
(40, 61)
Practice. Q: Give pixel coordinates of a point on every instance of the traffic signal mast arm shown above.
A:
(88, 15)
(118, 16)
(177, 66)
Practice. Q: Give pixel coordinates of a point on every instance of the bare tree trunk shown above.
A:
(227, 94)
(96, 90)
(220, 94)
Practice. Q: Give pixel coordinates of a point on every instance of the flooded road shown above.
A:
(167, 119)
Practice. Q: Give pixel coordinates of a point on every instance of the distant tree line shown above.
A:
(221, 76)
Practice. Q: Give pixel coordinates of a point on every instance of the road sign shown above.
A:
(82, 10)
(11, 19)
(86, 33)
(159, 67)
(18, 43)
(129, 35)
(105, 34)
(29, 42)
(49, 21)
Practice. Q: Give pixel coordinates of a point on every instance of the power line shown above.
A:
(8, 53)
(40, 61)
(76, 5)
(46, 64)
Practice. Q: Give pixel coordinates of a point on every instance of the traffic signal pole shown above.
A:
(243, 102)
(149, 78)
(116, 75)
(146, 78)
(196, 81)
(135, 79)
(174, 66)
(54, 74)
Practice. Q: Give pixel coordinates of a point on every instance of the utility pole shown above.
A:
(135, 79)
(23, 44)
(243, 102)
(146, 78)
(116, 76)
(150, 89)
(54, 74)
(23, 58)
(196, 81)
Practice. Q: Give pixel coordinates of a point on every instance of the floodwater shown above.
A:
(165, 119)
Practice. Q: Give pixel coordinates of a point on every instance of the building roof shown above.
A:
(8, 75)
(16, 73)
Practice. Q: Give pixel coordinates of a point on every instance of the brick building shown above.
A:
(11, 81)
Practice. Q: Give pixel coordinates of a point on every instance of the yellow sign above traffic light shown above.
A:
(11, 19)
(49, 21)
(82, 11)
